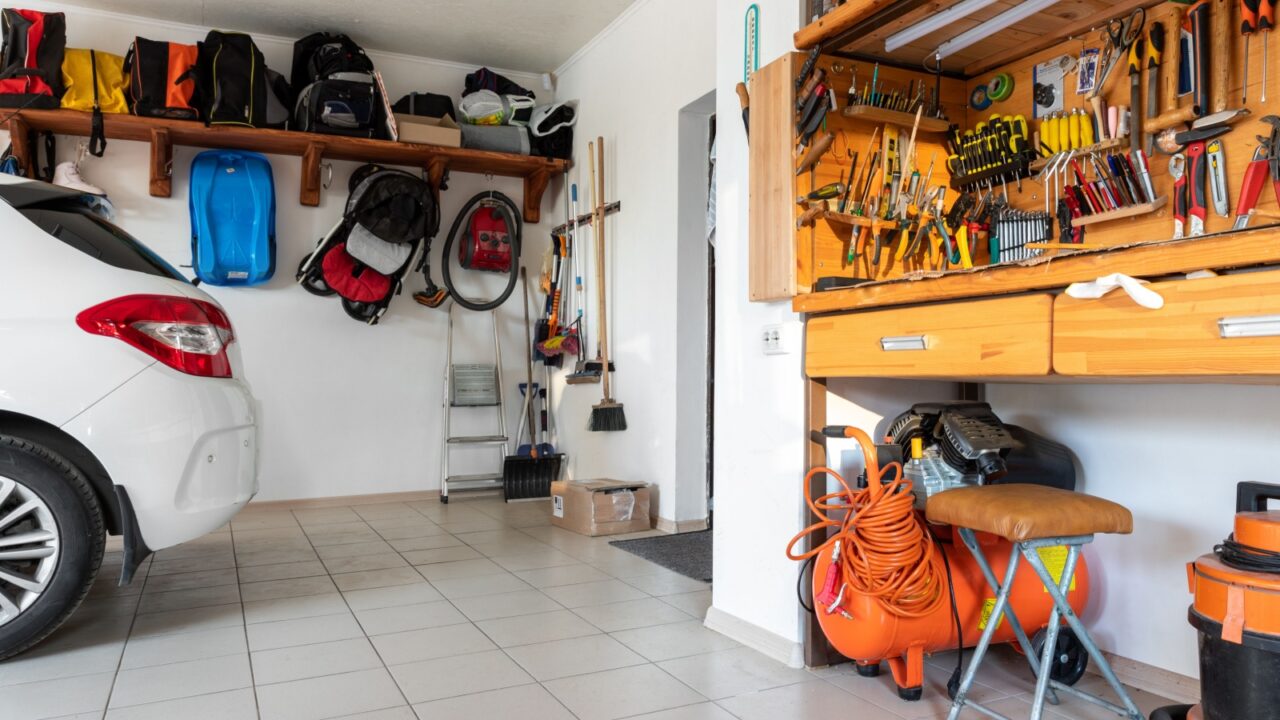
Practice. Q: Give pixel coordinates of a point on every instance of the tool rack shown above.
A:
(1010, 322)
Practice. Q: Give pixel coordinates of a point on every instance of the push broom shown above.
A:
(608, 415)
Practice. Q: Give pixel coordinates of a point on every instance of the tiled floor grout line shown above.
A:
(133, 620)
(363, 631)
(244, 623)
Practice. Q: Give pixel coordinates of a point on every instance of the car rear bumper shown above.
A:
(185, 449)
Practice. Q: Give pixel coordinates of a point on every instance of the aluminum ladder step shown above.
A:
(478, 440)
(483, 481)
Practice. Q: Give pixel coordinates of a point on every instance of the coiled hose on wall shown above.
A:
(433, 296)
(886, 550)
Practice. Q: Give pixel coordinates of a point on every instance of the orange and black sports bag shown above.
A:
(31, 58)
(162, 79)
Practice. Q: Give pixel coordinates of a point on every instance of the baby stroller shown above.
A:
(389, 217)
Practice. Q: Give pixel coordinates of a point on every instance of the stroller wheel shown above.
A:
(362, 311)
(311, 280)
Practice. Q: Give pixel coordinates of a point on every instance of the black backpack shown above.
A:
(235, 87)
(336, 92)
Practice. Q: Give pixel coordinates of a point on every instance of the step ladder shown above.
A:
(472, 386)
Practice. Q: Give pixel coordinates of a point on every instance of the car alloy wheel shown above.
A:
(29, 548)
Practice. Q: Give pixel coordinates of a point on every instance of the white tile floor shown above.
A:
(410, 611)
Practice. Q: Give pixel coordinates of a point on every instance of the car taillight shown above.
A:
(185, 334)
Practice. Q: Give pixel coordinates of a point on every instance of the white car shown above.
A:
(123, 407)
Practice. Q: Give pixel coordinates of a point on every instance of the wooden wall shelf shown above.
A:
(1246, 248)
(879, 116)
(313, 148)
(1124, 212)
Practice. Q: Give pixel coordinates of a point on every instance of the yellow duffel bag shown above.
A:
(95, 82)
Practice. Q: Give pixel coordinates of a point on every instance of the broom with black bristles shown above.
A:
(607, 416)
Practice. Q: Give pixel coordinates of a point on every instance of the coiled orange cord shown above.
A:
(886, 551)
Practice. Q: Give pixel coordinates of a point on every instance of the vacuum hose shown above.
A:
(886, 551)
(433, 296)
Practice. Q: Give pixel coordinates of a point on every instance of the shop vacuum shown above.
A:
(1236, 613)
(887, 586)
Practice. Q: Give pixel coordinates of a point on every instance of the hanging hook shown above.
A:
(328, 175)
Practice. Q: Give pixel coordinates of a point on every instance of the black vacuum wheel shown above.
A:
(1070, 659)
(868, 670)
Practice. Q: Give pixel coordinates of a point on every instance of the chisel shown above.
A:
(1136, 53)
(1155, 55)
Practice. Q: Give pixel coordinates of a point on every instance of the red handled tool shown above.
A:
(1197, 177)
(1255, 176)
(1178, 171)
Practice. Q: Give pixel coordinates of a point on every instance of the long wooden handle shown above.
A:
(600, 266)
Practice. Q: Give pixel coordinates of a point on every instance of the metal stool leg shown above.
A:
(1058, 593)
(971, 542)
(997, 612)
(1051, 631)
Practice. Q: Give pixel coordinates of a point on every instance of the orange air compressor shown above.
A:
(889, 587)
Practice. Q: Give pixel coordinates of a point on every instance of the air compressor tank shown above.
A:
(863, 631)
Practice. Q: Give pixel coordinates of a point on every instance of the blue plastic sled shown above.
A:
(233, 218)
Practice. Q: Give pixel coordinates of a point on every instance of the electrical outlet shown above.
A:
(773, 339)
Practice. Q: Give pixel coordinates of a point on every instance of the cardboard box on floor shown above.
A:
(600, 507)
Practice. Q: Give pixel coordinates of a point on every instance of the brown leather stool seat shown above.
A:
(1028, 512)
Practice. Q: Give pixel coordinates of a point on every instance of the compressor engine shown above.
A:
(887, 586)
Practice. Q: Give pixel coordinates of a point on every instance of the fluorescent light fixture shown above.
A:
(991, 27)
(1247, 327)
(934, 23)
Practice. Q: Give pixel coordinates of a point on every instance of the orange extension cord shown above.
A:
(886, 551)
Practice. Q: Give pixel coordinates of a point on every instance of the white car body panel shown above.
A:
(153, 428)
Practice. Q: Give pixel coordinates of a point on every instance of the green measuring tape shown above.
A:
(1000, 87)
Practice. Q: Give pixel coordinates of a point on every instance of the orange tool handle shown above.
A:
(1248, 16)
(1266, 15)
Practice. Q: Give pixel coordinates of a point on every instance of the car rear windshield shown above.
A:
(77, 226)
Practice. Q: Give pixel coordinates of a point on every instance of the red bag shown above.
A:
(351, 278)
(31, 59)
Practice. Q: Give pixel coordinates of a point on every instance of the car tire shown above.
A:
(32, 476)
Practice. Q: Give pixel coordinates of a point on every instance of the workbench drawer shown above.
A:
(1227, 325)
(986, 338)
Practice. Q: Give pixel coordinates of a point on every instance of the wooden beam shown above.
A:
(534, 186)
(817, 651)
(1081, 27)
(309, 188)
(20, 144)
(1246, 248)
(161, 163)
(837, 21)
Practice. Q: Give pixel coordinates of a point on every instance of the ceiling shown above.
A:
(508, 34)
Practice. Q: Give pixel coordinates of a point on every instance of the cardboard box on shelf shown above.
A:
(600, 507)
(425, 130)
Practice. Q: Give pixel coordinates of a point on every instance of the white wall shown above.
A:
(1172, 454)
(346, 408)
(759, 405)
(634, 78)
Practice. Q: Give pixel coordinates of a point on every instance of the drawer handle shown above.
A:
(1251, 326)
(903, 343)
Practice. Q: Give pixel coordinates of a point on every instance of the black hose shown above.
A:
(1246, 557)
(511, 216)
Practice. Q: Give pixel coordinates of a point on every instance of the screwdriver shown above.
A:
(1255, 15)
(1248, 25)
